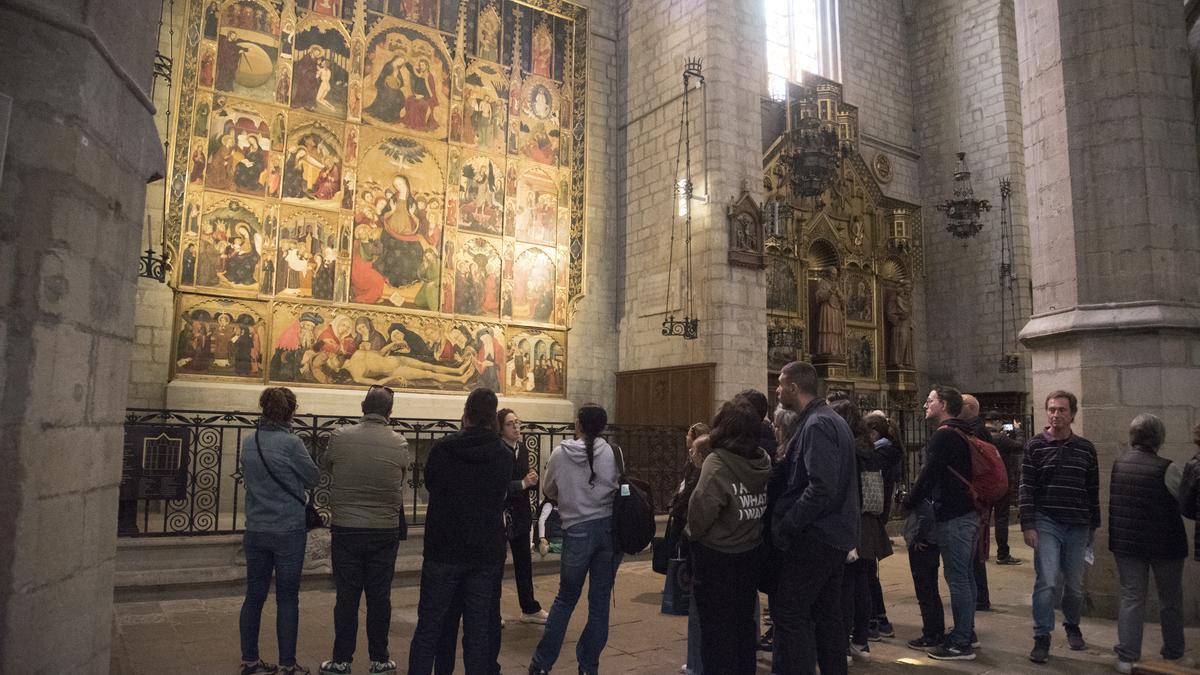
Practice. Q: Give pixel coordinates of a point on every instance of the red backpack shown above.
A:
(989, 478)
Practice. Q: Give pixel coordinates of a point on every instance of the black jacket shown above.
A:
(467, 476)
(1189, 497)
(820, 497)
(946, 450)
(1143, 517)
(518, 495)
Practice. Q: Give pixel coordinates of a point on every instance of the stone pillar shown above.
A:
(81, 146)
(1111, 169)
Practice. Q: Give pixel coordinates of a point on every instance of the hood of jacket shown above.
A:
(753, 472)
(575, 449)
(465, 445)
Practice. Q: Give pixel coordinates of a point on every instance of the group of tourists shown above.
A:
(790, 503)
(479, 481)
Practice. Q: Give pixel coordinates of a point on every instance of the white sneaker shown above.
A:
(1124, 667)
(503, 623)
(860, 652)
(538, 617)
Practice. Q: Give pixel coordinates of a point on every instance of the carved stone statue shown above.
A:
(899, 316)
(831, 315)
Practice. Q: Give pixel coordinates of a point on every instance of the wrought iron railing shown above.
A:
(214, 499)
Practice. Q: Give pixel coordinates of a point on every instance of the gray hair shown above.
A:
(1147, 431)
(378, 401)
(786, 422)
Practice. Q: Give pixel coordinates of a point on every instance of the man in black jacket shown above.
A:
(945, 478)
(1010, 452)
(523, 479)
(466, 475)
(814, 525)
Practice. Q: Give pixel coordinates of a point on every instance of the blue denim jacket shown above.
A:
(268, 508)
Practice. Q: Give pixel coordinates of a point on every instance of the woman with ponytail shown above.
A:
(276, 471)
(581, 475)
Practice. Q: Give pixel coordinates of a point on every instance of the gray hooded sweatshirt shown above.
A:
(566, 481)
(726, 508)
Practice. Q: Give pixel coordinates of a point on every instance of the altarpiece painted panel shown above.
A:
(378, 191)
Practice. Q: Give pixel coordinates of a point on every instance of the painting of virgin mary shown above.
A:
(389, 91)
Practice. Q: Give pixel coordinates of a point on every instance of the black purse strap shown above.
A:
(263, 458)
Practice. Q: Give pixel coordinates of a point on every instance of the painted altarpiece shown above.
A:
(378, 192)
(836, 257)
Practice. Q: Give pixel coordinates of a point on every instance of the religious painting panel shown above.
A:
(247, 50)
(477, 277)
(861, 353)
(488, 27)
(533, 203)
(343, 346)
(406, 79)
(482, 117)
(782, 287)
(533, 285)
(228, 247)
(534, 131)
(398, 222)
(219, 337)
(860, 295)
(239, 145)
(307, 253)
(312, 167)
(536, 362)
(321, 66)
(479, 189)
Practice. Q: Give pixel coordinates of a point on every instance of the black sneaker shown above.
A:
(1074, 638)
(974, 638)
(259, 667)
(860, 652)
(1008, 560)
(294, 669)
(983, 607)
(534, 670)
(885, 628)
(873, 634)
(949, 652)
(382, 667)
(926, 642)
(1041, 650)
(336, 668)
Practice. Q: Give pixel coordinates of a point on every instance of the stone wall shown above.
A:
(966, 97)
(657, 37)
(81, 147)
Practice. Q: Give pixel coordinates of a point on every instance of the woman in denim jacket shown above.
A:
(275, 532)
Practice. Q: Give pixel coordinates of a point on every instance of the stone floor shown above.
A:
(201, 635)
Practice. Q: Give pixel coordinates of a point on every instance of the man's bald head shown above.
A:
(970, 409)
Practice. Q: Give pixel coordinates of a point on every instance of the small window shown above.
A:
(802, 35)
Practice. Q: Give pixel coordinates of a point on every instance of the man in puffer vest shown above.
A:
(1145, 532)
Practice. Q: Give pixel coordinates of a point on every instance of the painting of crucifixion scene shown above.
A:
(386, 191)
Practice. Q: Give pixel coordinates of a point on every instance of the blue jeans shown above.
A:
(281, 553)
(587, 551)
(956, 541)
(1058, 558)
(443, 587)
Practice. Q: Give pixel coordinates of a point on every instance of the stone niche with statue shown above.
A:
(840, 255)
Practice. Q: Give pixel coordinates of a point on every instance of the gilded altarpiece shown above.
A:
(840, 264)
(379, 192)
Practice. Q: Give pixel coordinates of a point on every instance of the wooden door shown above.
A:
(678, 396)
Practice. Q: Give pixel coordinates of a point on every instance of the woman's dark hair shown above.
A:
(501, 414)
(848, 411)
(480, 409)
(736, 428)
(881, 426)
(278, 405)
(592, 420)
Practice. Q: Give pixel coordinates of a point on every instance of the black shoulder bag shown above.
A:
(312, 519)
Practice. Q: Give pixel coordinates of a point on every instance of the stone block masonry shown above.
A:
(81, 148)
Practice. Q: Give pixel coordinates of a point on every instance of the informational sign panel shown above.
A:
(155, 462)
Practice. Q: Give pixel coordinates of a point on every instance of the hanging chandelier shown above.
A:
(810, 158)
(152, 264)
(689, 327)
(964, 210)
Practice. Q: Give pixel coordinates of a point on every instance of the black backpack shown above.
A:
(633, 511)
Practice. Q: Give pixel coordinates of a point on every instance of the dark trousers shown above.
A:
(479, 588)
(878, 609)
(856, 600)
(725, 586)
(447, 649)
(1001, 514)
(523, 566)
(982, 597)
(924, 565)
(364, 561)
(807, 610)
